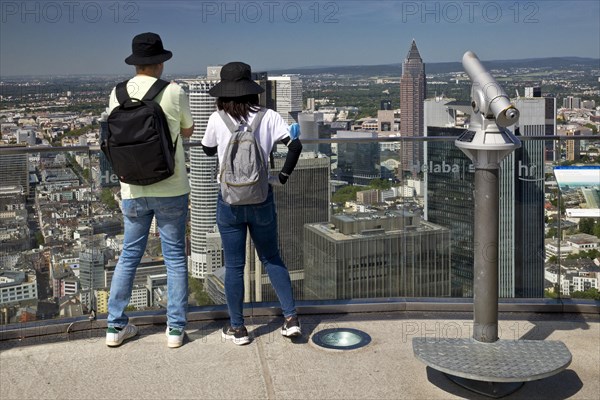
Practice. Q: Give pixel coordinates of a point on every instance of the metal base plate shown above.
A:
(490, 389)
(500, 361)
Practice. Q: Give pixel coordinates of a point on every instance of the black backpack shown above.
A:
(139, 145)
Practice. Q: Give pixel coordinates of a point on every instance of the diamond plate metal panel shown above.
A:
(501, 361)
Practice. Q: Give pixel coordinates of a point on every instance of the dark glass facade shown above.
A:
(387, 254)
(449, 203)
(303, 200)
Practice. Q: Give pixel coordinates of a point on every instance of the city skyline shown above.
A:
(325, 33)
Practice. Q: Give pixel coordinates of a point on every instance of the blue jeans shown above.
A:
(171, 214)
(261, 221)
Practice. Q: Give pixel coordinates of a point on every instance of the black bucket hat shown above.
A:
(236, 81)
(147, 48)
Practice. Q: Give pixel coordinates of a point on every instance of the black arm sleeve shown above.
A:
(209, 151)
(294, 150)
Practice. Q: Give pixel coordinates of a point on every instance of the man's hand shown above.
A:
(187, 132)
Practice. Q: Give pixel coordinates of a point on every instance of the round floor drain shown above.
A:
(341, 339)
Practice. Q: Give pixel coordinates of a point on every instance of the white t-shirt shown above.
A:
(271, 130)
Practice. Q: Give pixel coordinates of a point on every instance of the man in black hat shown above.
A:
(166, 201)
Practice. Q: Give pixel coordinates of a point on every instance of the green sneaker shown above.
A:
(115, 336)
(174, 337)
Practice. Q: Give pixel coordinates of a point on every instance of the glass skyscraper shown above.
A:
(303, 200)
(203, 173)
(358, 163)
(412, 94)
(449, 202)
(286, 92)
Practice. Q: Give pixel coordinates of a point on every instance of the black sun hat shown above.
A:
(236, 81)
(147, 48)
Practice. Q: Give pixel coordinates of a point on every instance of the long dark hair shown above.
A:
(239, 107)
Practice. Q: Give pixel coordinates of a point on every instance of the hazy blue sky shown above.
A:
(78, 37)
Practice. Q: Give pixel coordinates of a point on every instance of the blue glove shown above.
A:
(294, 131)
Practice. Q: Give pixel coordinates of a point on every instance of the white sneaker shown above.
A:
(114, 337)
(174, 337)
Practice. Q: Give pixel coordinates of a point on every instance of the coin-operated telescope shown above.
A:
(485, 363)
(487, 142)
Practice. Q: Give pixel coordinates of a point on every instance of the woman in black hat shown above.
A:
(237, 95)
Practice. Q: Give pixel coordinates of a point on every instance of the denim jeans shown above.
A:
(261, 221)
(171, 214)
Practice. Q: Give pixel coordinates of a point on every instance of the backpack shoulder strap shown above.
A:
(121, 92)
(257, 119)
(230, 125)
(155, 89)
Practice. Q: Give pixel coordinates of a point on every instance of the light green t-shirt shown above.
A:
(176, 106)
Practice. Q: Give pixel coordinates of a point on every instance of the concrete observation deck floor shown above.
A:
(272, 367)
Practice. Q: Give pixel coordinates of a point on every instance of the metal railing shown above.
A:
(332, 305)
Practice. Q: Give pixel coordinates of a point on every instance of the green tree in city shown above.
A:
(586, 225)
(552, 233)
(108, 199)
(196, 289)
(593, 128)
(591, 293)
(347, 193)
(597, 230)
(39, 238)
(591, 254)
(380, 184)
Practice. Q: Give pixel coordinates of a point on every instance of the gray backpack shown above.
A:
(243, 173)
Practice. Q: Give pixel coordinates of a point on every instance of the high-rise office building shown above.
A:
(358, 163)
(573, 147)
(203, 173)
(286, 92)
(572, 102)
(14, 170)
(385, 254)
(386, 121)
(412, 95)
(521, 260)
(449, 182)
(449, 202)
(91, 275)
(535, 91)
(312, 127)
(265, 98)
(303, 200)
(538, 118)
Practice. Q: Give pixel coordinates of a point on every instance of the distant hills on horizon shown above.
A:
(388, 70)
(446, 67)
